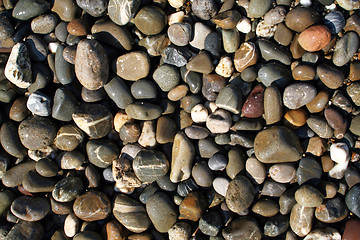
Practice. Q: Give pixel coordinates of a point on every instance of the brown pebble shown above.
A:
(18, 110)
(69, 54)
(227, 20)
(303, 72)
(113, 230)
(319, 102)
(78, 27)
(316, 146)
(178, 92)
(296, 50)
(352, 230)
(192, 207)
(315, 38)
(254, 104)
(296, 117)
(354, 74)
(300, 18)
(245, 56)
(327, 163)
(332, 77)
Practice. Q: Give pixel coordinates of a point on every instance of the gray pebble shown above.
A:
(334, 21)
(217, 162)
(39, 104)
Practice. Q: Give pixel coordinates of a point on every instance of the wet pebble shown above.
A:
(30, 208)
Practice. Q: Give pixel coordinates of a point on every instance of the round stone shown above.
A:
(238, 203)
(68, 138)
(150, 20)
(352, 198)
(37, 132)
(219, 121)
(92, 206)
(122, 11)
(143, 111)
(150, 165)
(204, 9)
(39, 104)
(180, 33)
(300, 18)
(26, 9)
(217, 162)
(297, 95)
(133, 66)
(332, 211)
(143, 89)
(242, 228)
(102, 152)
(315, 38)
(282, 172)
(265, 208)
(167, 77)
(30, 209)
(202, 174)
(67, 189)
(308, 196)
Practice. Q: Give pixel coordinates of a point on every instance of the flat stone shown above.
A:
(133, 66)
(35, 183)
(26, 230)
(265, 207)
(46, 167)
(309, 171)
(30, 208)
(92, 206)
(119, 92)
(14, 176)
(203, 9)
(273, 51)
(102, 152)
(345, 48)
(277, 145)
(64, 70)
(26, 9)
(297, 95)
(131, 213)
(143, 111)
(150, 20)
(68, 138)
(242, 228)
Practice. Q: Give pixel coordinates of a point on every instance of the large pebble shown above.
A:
(315, 38)
(10, 140)
(276, 145)
(30, 208)
(301, 219)
(258, 8)
(26, 9)
(92, 206)
(352, 199)
(122, 11)
(297, 95)
(150, 20)
(242, 228)
(345, 48)
(308, 196)
(133, 65)
(300, 18)
(143, 111)
(204, 9)
(67, 189)
(95, 8)
(238, 203)
(332, 211)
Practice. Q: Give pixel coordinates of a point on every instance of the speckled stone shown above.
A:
(238, 203)
(67, 189)
(297, 95)
(133, 65)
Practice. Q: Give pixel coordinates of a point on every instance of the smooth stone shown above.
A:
(217, 162)
(30, 209)
(342, 101)
(178, 92)
(335, 21)
(71, 225)
(207, 148)
(349, 5)
(352, 198)
(314, 38)
(309, 171)
(46, 167)
(36, 47)
(148, 191)
(186, 187)
(18, 110)
(69, 54)
(102, 152)
(282, 172)
(236, 162)
(273, 189)
(143, 89)
(277, 145)
(301, 219)
(320, 127)
(265, 207)
(323, 233)
(219, 121)
(213, 44)
(10, 140)
(183, 153)
(94, 119)
(67, 10)
(7, 91)
(92, 206)
(345, 48)
(6, 197)
(332, 211)
(238, 203)
(296, 50)
(276, 225)
(37, 132)
(122, 11)
(39, 104)
(133, 66)
(150, 20)
(108, 32)
(149, 165)
(94, 8)
(319, 102)
(258, 8)
(353, 91)
(130, 132)
(67, 189)
(165, 184)
(202, 174)
(68, 138)
(180, 33)
(295, 117)
(300, 18)
(352, 24)
(64, 70)
(61, 32)
(213, 83)
(352, 229)
(247, 124)
(91, 64)
(192, 206)
(35, 183)
(355, 125)
(64, 105)
(274, 74)
(143, 111)
(165, 130)
(204, 9)
(91, 96)
(273, 109)
(180, 230)
(167, 77)
(242, 228)
(26, 9)
(304, 72)
(287, 201)
(308, 196)
(14, 176)
(131, 213)
(197, 132)
(265, 30)
(273, 51)
(254, 104)
(87, 235)
(18, 66)
(245, 56)
(332, 77)
(26, 230)
(256, 170)
(297, 95)
(161, 212)
(230, 39)
(119, 92)
(283, 35)
(227, 19)
(200, 63)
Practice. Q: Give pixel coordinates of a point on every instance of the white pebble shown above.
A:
(306, 3)
(339, 152)
(71, 225)
(221, 185)
(331, 7)
(211, 106)
(199, 113)
(130, 151)
(180, 231)
(147, 137)
(265, 30)
(53, 47)
(323, 234)
(244, 25)
(39, 104)
(338, 171)
(225, 67)
(176, 3)
(176, 17)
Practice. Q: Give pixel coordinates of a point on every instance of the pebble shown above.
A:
(225, 67)
(332, 211)
(150, 20)
(94, 119)
(46, 167)
(272, 51)
(296, 117)
(265, 207)
(315, 38)
(91, 65)
(67, 189)
(308, 196)
(67, 10)
(309, 171)
(204, 9)
(353, 91)
(323, 233)
(94, 8)
(301, 219)
(161, 212)
(217, 162)
(256, 170)
(14, 176)
(19, 74)
(238, 203)
(26, 9)
(355, 125)
(231, 40)
(44, 24)
(180, 33)
(119, 92)
(200, 63)
(180, 231)
(138, 89)
(210, 224)
(351, 229)
(300, 18)
(351, 197)
(258, 8)
(253, 106)
(64, 70)
(68, 138)
(265, 30)
(227, 19)
(192, 207)
(167, 77)
(30, 209)
(133, 66)
(10, 140)
(219, 121)
(242, 228)
(335, 21)
(221, 185)
(244, 25)
(143, 111)
(282, 172)
(39, 104)
(345, 48)
(92, 206)
(245, 56)
(202, 174)
(320, 127)
(297, 95)
(121, 12)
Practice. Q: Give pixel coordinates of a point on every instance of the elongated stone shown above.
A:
(183, 153)
(64, 70)
(10, 140)
(301, 219)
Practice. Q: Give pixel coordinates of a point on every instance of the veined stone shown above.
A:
(122, 11)
(18, 67)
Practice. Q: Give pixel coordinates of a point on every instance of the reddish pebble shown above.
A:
(78, 27)
(352, 230)
(254, 104)
(315, 38)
